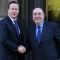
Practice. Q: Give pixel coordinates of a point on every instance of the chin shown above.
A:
(14, 16)
(36, 22)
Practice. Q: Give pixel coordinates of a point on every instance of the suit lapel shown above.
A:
(33, 33)
(44, 31)
(11, 25)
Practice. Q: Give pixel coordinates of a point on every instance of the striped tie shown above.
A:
(17, 27)
(38, 34)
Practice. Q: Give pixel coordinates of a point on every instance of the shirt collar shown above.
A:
(12, 19)
(41, 24)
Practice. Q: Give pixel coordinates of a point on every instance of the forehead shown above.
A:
(14, 5)
(37, 10)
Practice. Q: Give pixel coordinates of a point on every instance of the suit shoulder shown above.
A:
(4, 19)
(51, 23)
(3, 22)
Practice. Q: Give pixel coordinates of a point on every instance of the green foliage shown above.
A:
(54, 6)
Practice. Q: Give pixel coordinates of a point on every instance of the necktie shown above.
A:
(38, 34)
(17, 27)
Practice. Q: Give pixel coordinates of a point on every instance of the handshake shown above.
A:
(21, 49)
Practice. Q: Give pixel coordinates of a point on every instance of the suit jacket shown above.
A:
(46, 49)
(9, 41)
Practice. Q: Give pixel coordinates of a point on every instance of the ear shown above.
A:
(8, 10)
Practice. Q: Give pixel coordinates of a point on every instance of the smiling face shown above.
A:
(13, 10)
(38, 15)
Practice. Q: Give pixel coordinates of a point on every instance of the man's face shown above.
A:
(13, 10)
(38, 15)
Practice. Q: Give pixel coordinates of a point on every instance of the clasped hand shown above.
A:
(21, 49)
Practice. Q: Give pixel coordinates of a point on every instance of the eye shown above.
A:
(39, 13)
(12, 8)
(16, 9)
(34, 13)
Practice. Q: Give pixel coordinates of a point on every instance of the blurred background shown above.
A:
(50, 7)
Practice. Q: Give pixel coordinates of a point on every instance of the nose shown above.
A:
(37, 15)
(14, 10)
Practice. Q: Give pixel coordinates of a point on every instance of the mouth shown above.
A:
(14, 14)
(38, 18)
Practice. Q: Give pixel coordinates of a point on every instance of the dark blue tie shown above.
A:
(39, 34)
(17, 27)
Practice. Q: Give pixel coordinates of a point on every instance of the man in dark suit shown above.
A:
(41, 37)
(11, 41)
